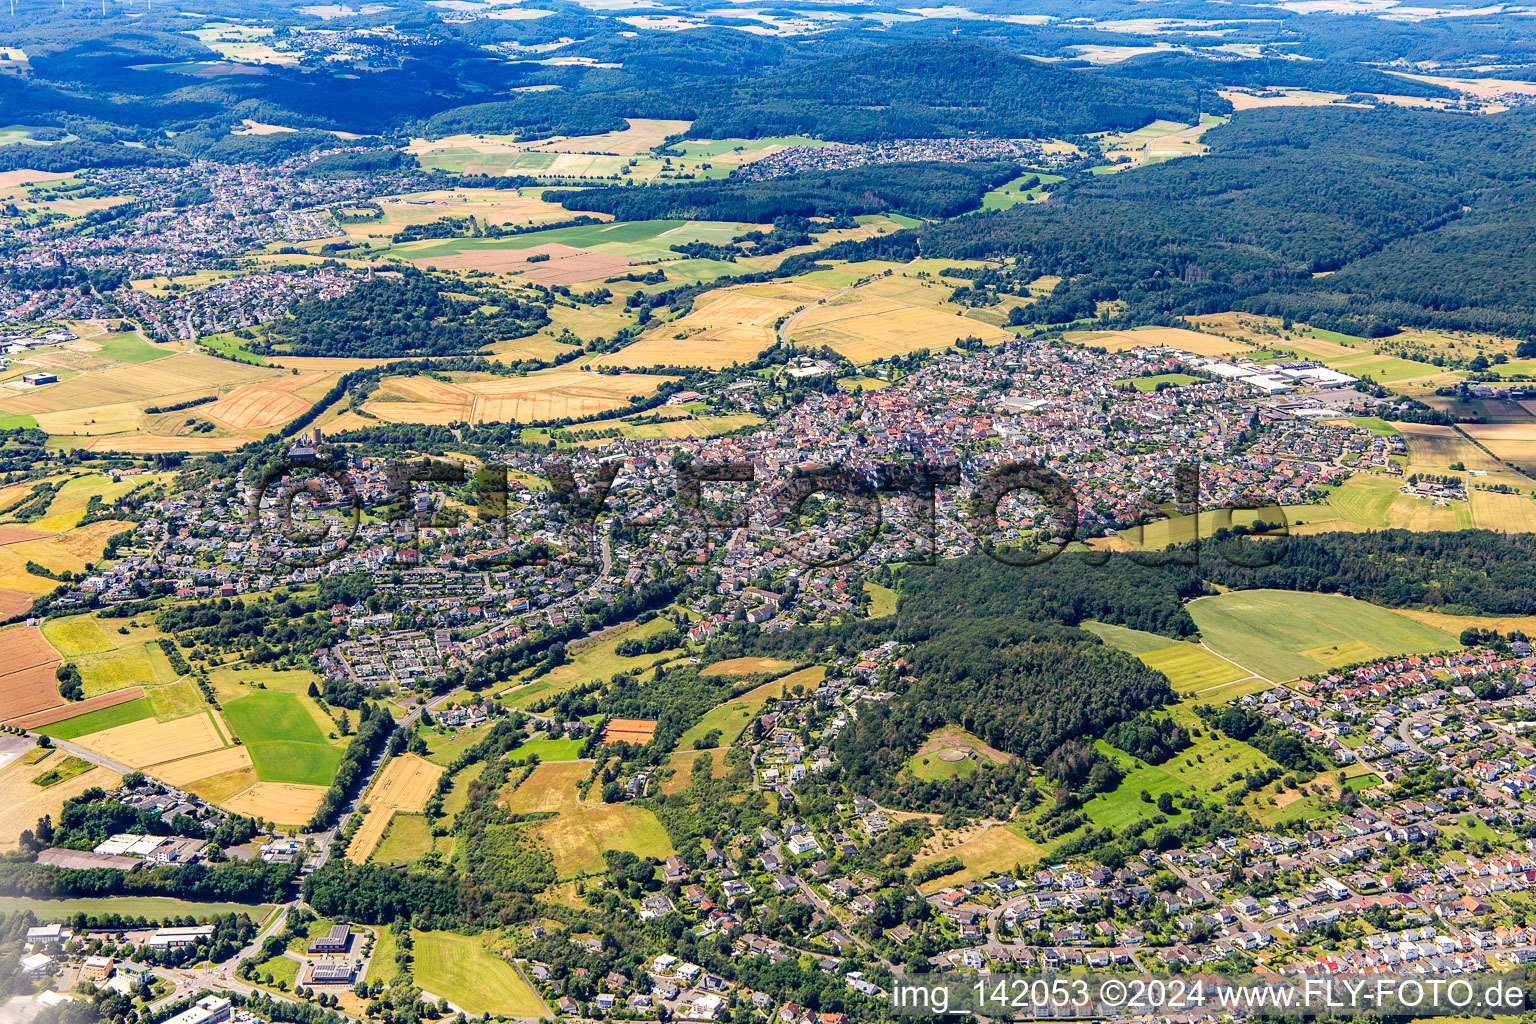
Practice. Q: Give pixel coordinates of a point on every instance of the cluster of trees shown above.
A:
(921, 189)
(1468, 572)
(374, 727)
(1032, 691)
(233, 881)
(402, 314)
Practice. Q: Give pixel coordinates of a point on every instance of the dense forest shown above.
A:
(919, 189)
(1283, 196)
(1029, 691)
(396, 314)
(1467, 572)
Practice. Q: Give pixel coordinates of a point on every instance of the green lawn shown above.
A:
(13, 421)
(1151, 383)
(882, 600)
(76, 635)
(930, 767)
(460, 969)
(564, 749)
(154, 908)
(1132, 641)
(597, 661)
(96, 721)
(127, 347)
(1282, 635)
(283, 738)
(1191, 668)
(408, 838)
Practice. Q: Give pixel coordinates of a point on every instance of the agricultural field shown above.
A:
(559, 394)
(581, 830)
(408, 839)
(108, 401)
(285, 737)
(1505, 513)
(99, 720)
(1132, 641)
(891, 315)
(728, 326)
(1513, 442)
(405, 785)
(460, 969)
(25, 801)
(1378, 503)
(744, 667)
(143, 743)
(1281, 635)
(260, 407)
(284, 803)
(489, 206)
(1191, 669)
(633, 240)
(29, 684)
(1200, 343)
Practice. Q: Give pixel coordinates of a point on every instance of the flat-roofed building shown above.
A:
(335, 941)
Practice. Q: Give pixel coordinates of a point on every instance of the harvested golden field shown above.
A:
(143, 743)
(1434, 448)
(724, 327)
(266, 404)
(892, 314)
(563, 264)
(546, 396)
(744, 667)
(160, 382)
(1514, 442)
(100, 419)
(24, 802)
(14, 602)
(283, 802)
(149, 444)
(486, 205)
(30, 685)
(70, 549)
(1173, 337)
(1244, 100)
(406, 784)
(64, 712)
(1505, 513)
(187, 771)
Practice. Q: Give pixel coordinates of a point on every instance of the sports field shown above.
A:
(284, 738)
(460, 969)
(561, 394)
(1282, 635)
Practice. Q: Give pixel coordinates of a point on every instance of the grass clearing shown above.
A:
(285, 742)
(1276, 633)
(460, 969)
